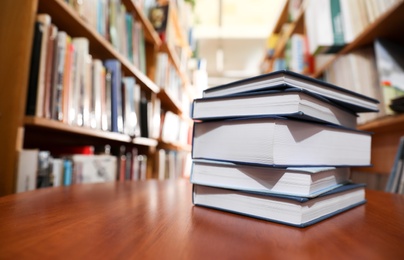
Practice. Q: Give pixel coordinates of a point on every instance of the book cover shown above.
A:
(34, 69)
(58, 76)
(81, 46)
(144, 116)
(27, 170)
(280, 142)
(293, 103)
(114, 67)
(45, 19)
(289, 210)
(297, 181)
(130, 117)
(287, 79)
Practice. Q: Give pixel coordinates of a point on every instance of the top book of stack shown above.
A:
(285, 79)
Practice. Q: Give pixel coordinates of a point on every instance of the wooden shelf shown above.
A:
(295, 27)
(283, 17)
(24, 132)
(150, 34)
(49, 125)
(69, 21)
(174, 146)
(168, 102)
(54, 125)
(385, 124)
(387, 25)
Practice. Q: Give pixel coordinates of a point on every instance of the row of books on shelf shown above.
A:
(68, 85)
(120, 27)
(171, 164)
(65, 166)
(376, 70)
(259, 151)
(333, 24)
(168, 78)
(173, 29)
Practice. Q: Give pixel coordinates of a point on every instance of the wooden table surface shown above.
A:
(156, 220)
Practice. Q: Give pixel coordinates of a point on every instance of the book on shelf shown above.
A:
(77, 110)
(395, 183)
(27, 170)
(397, 104)
(57, 172)
(293, 103)
(357, 71)
(50, 57)
(323, 20)
(34, 74)
(58, 76)
(114, 67)
(98, 94)
(94, 168)
(390, 68)
(290, 210)
(44, 170)
(288, 79)
(36, 98)
(159, 18)
(280, 142)
(131, 119)
(296, 181)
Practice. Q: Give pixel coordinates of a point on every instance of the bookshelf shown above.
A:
(387, 129)
(19, 131)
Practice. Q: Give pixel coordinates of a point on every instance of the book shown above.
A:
(94, 168)
(114, 67)
(45, 19)
(44, 170)
(49, 69)
(390, 68)
(58, 74)
(323, 20)
(357, 71)
(280, 142)
(81, 47)
(395, 182)
(129, 113)
(290, 210)
(27, 170)
(293, 103)
(287, 79)
(32, 94)
(297, 181)
(57, 172)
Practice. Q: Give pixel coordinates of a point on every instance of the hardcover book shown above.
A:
(290, 210)
(294, 103)
(114, 67)
(287, 79)
(297, 181)
(280, 142)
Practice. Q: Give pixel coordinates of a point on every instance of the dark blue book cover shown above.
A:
(114, 67)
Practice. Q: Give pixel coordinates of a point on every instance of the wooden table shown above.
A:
(152, 219)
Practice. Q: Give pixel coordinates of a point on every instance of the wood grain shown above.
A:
(16, 31)
(151, 219)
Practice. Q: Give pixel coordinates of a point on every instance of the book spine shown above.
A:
(34, 69)
(337, 27)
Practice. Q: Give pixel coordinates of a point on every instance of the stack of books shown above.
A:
(279, 147)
